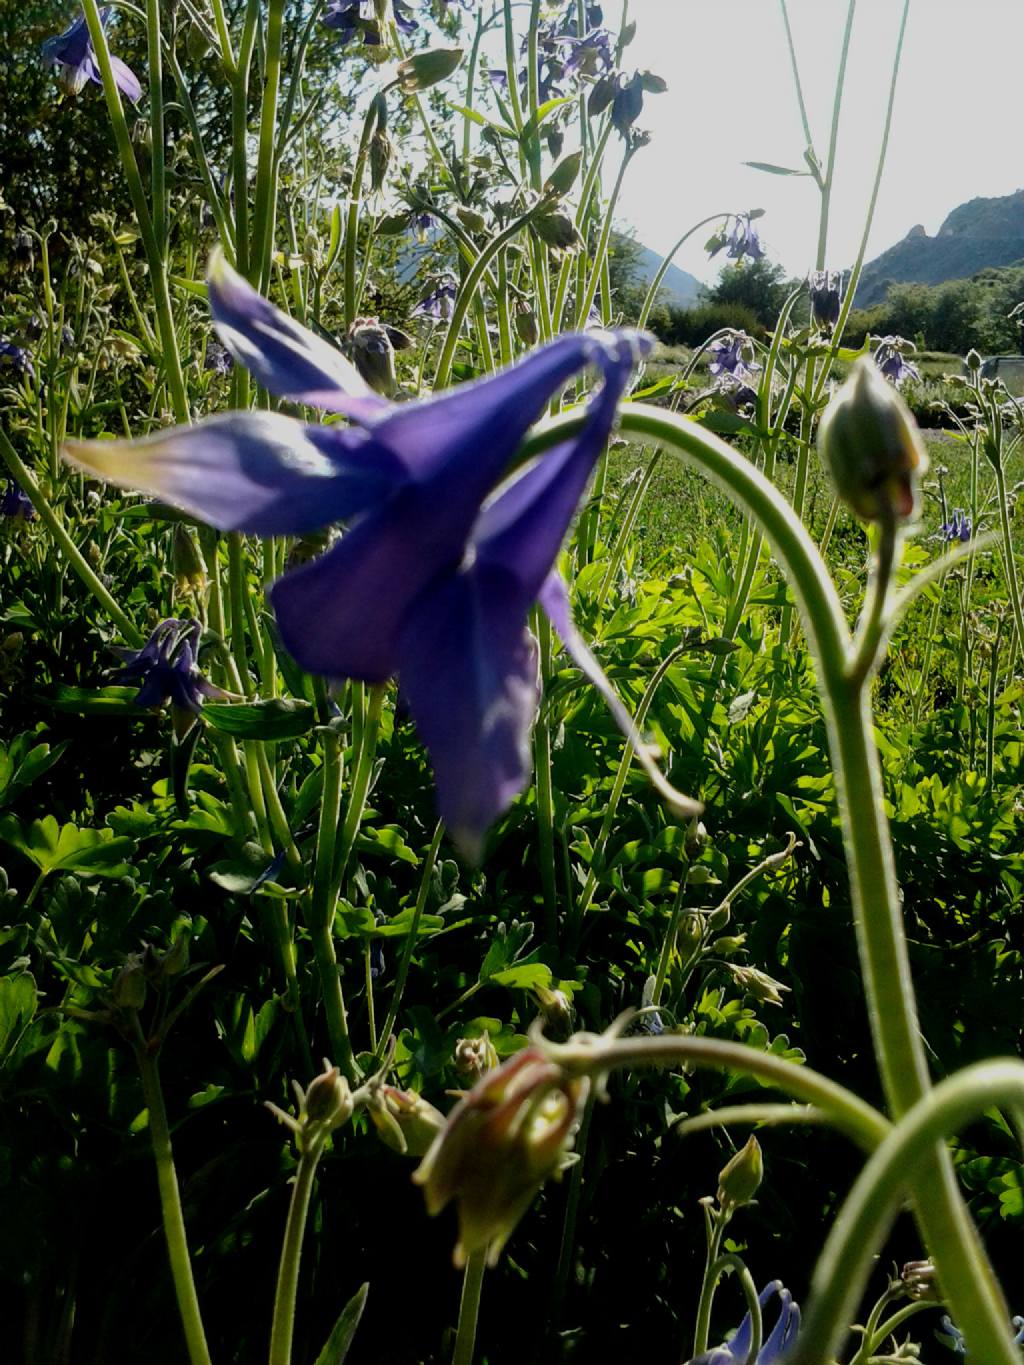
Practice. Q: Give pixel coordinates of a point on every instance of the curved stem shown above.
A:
(410, 942)
(862, 1223)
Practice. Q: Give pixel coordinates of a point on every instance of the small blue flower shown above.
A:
(434, 578)
(15, 503)
(166, 670)
(73, 57)
(744, 241)
(15, 358)
(957, 528)
(826, 298)
(774, 1348)
(591, 55)
(439, 301)
(891, 361)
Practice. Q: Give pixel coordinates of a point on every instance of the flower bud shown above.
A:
(424, 69)
(870, 444)
(471, 220)
(696, 837)
(186, 561)
(557, 230)
(973, 362)
(556, 1011)
(690, 933)
(474, 1056)
(526, 326)
(740, 1178)
(500, 1143)
(129, 990)
(405, 1121)
(563, 177)
(758, 984)
(921, 1282)
(328, 1099)
(381, 152)
(369, 347)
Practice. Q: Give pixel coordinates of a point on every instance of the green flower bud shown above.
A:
(186, 561)
(328, 1099)
(503, 1139)
(471, 220)
(557, 230)
(869, 443)
(758, 984)
(526, 326)
(129, 991)
(405, 1122)
(563, 177)
(425, 69)
(696, 837)
(690, 933)
(381, 152)
(369, 347)
(475, 1056)
(973, 362)
(556, 1010)
(740, 1178)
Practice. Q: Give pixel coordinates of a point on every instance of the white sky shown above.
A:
(956, 132)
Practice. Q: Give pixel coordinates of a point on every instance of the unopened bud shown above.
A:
(740, 1178)
(526, 326)
(557, 230)
(564, 176)
(921, 1282)
(328, 1099)
(696, 837)
(424, 69)
(556, 1011)
(690, 933)
(471, 220)
(369, 347)
(758, 984)
(973, 362)
(129, 991)
(474, 1056)
(405, 1121)
(186, 561)
(381, 151)
(870, 444)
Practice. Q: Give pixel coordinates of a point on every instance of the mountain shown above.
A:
(678, 288)
(980, 233)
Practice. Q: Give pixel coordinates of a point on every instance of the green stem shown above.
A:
(170, 1204)
(404, 962)
(545, 789)
(719, 1222)
(352, 220)
(291, 1256)
(906, 1158)
(321, 913)
(830, 165)
(469, 1308)
(60, 536)
(266, 165)
(152, 247)
(157, 151)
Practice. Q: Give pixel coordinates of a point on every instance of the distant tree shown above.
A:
(761, 286)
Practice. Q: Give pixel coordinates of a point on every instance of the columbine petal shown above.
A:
(284, 356)
(125, 79)
(554, 598)
(468, 670)
(259, 472)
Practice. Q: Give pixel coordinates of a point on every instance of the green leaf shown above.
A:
(196, 287)
(773, 169)
(523, 976)
(338, 1343)
(21, 765)
(475, 116)
(65, 848)
(90, 701)
(334, 242)
(18, 997)
(277, 718)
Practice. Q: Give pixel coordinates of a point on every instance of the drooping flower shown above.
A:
(826, 298)
(15, 504)
(434, 578)
(741, 239)
(891, 361)
(773, 1350)
(625, 94)
(73, 57)
(437, 303)
(16, 358)
(500, 1143)
(591, 55)
(950, 1335)
(352, 18)
(733, 354)
(166, 669)
(217, 358)
(957, 528)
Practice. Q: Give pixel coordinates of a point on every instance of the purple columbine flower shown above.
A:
(774, 1349)
(439, 301)
(732, 355)
(441, 562)
(957, 528)
(891, 361)
(217, 358)
(950, 1335)
(591, 55)
(349, 18)
(166, 669)
(744, 241)
(73, 57)
(15, 358)
(826, 298)
(15, 503)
